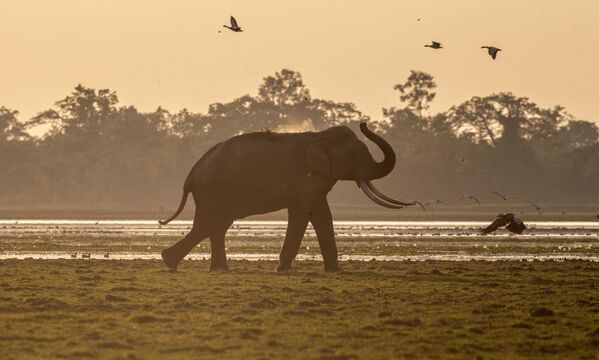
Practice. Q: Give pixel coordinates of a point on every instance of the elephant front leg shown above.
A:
(218, 256)
(296, 228)
(322, 220)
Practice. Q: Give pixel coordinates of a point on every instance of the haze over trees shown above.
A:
(98, 151)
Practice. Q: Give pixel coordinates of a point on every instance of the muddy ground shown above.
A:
(137, 310)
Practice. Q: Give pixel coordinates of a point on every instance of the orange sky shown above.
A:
(170, 53)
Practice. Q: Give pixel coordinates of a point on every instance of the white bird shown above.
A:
(492, 50)
(435, 45)
(537, 207)
(504, 197)
(234, 26)
(436, 202)
(471, 197)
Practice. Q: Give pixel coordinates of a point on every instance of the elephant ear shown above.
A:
(318, 159)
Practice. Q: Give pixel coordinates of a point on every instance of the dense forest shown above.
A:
(97, 151)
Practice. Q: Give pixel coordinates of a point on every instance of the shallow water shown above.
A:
(304, 257)
(261, 240)
(244, 228)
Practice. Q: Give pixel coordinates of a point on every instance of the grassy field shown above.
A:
(137, 310)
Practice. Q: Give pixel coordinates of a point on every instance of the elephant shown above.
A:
(262, 172)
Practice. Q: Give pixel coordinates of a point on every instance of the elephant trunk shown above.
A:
(378, 170)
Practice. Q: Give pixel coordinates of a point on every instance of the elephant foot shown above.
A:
(168, 261)
(332, 268)
(219, 268)
(283, 267)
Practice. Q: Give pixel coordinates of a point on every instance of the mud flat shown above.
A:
(434, 309)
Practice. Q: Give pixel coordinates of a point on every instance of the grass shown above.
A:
(137, 310)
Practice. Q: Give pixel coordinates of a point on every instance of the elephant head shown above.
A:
(338, 154)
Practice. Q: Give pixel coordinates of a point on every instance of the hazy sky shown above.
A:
(169, 53)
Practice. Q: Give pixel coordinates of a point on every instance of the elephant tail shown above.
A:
(187, 186)
(186, 191)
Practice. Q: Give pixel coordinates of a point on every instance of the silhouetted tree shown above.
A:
(418, 91)
(10, 128)
(98, 151)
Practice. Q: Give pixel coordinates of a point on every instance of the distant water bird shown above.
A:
(86, 256)
(597, 216)
(436, 202)
(435, 45)
(514, 224)
(504, 197)
(234, 26)
(106, 255)
(537, 207)
(73, 256)
(492, 50)
(471, 197)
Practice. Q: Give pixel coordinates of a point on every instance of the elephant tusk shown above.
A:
(375, 199)
(390, 200)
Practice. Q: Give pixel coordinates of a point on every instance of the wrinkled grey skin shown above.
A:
(262, 172)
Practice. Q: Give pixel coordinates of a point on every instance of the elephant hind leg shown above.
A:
(218, 257)
(296, 228)
(174, 254)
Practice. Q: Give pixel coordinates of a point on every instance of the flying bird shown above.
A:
(514, 224)
(234, 26)
(504, 197)
(436, 202)
(492, 50)
(471, 197)
(537, 207)
(435, 45)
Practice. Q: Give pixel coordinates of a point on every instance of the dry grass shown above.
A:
(136, 309)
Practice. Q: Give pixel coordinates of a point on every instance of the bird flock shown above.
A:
(491, 50)
(468, 196)
(509, 220)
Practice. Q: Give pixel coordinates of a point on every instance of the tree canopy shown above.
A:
(99, 151)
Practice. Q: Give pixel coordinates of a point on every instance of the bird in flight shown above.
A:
(234, 26)
(537, 207)
(471, 197)
(492, 50)
(514, 224)
(504, 197)
(436, 202)
(435, 45)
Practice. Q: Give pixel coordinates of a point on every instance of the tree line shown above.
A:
(98, 151)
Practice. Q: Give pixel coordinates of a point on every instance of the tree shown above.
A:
(285, 88)
(496, 118)
(418, 91)
(85, 110)
(10, 128)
